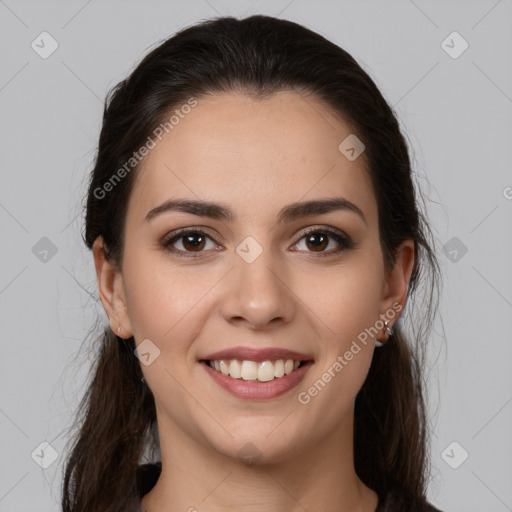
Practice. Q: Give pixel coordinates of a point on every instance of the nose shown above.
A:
(258, 294)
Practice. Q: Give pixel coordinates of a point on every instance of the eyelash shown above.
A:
(344, 241)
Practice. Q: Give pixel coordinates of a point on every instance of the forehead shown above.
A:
(253, 152)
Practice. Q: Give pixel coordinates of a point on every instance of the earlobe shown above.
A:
(111, 290)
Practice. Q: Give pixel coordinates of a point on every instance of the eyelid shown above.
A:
(326, 229)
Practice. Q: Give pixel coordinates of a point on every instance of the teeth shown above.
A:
(264, 371)
(235, 370)
(224, 368)
(249, 370)
(279, 368)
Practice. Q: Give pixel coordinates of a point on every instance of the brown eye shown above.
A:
(188, 243)
(318, 240)
(193, 242)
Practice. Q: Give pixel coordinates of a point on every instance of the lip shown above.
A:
(254, 389)
(257, 354)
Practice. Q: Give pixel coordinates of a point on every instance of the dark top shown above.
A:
(148, 475)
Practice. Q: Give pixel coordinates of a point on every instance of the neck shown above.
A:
(196, 478)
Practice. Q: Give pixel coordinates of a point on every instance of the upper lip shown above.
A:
(257, 354)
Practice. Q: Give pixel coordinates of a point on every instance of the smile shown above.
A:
(263, 371)
(256, 373)
(248, 379)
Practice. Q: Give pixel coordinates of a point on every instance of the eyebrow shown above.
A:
(288, 213)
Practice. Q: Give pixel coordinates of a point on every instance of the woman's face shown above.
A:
(247, 285)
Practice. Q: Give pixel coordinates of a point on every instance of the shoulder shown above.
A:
(394, 502)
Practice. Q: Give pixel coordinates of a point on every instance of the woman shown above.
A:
(256, 236)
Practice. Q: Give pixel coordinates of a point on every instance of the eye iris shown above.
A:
(188, 240)
(321, 245)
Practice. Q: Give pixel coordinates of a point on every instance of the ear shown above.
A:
(397, 280)
(112, 291)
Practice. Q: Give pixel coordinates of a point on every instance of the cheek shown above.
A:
(346, 311)
(345, 299)
(162, 297)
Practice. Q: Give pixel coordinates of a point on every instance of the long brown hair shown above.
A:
(258, 55)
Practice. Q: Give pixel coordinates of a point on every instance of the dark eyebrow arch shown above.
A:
(287, 214)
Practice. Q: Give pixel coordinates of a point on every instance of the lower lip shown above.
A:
(254, 389)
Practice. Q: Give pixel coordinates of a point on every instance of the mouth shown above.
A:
(257, 373)
(264, 371)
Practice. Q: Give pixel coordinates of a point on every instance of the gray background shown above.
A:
(456, 113)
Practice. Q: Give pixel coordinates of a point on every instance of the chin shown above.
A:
(260, 447)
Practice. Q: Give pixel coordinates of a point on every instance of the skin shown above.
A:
(254, 156)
